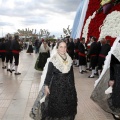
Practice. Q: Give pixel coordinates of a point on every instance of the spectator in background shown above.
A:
(37, 45)
(16, 50)
(103, 53)
(30, 48)
(82, 56)
(99, 44)
(93, 55)
(3, 52)
(44, 53)
(9, 54)
(70, 47)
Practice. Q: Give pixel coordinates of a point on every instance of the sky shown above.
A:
(52, 15)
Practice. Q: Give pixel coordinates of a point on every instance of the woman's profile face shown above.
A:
(62, 48)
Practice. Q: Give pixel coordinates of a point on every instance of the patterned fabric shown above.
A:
(63, 101)
(109, 102)
(99, 96)
(106, 101)
(114, 100)
(60, 64)
(61, 104)
(36, 113)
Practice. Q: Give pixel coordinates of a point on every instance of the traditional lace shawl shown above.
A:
(59, 63)
(116, 51)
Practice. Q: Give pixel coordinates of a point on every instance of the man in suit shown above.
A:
(93, 55)
(15, 51)
(70, 47)
(103, 53)
(82, 56)
(9, 55)
(76, 51)
(99, 46)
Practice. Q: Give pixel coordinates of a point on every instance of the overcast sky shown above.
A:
(53, 15)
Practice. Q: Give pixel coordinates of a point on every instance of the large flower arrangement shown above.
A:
(111, 25)
(93, 24)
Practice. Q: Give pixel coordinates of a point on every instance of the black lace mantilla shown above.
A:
(114, 100)
(61, 104)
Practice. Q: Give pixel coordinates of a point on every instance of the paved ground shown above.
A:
(18, 93)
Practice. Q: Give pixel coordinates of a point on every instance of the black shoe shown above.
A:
(90, 69)
(90, 77)
(8, 69)
(87, 68)
(96, 74)
(115, 117)
(84, 71)
(4, 67)
(18, 73)
(13, 70)
(81, 72)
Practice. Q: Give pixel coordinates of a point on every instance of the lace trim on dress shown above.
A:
(116, 51)
(60, 64)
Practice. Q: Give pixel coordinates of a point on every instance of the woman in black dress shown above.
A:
(44, 54)
(61, 100)
(30, 48)
(114, 100)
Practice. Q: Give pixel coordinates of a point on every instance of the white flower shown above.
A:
(85, 29)
(111, 25)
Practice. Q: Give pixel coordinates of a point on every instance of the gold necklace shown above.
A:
(65, 62)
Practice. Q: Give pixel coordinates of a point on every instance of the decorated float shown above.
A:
(98, 18)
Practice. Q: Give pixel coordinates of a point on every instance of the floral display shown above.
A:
(99, 24)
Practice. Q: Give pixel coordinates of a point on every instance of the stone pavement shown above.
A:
(18, 93)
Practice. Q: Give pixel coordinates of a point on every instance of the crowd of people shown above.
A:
(59, 77)
(10, 48)
(9, 52)
(88, 56)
